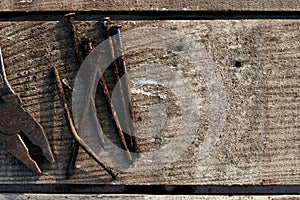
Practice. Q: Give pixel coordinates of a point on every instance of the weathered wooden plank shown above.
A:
(146, 197)
(259, 143)
(81, 5)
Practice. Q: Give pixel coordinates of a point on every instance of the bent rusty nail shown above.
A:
(79, 58)
(73, 130)
(73, 158)
(75, 145)
(89, 100)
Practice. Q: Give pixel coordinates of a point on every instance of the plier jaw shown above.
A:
(13, 120)
(15, 146)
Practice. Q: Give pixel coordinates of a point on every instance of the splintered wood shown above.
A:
(257, 61)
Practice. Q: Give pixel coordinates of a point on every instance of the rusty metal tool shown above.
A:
(113, 108)
(82, 49)
(75, 145)
(86, 46)
(15, 120)
(121, 113)
(80, 56)
(73, 130)
(120, 70)
(75, 38)
(125, 85)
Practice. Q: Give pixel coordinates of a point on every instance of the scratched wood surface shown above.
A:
(47, 5)
(145, 197)
(259, 143)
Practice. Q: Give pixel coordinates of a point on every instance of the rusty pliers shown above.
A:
(14, 120)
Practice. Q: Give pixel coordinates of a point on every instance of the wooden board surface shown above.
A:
(145, 197)
(259, 143)
(65, 5)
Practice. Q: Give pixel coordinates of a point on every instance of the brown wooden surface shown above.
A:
(260, 141)
(65, 5)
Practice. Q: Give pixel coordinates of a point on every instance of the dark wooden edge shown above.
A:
(149, 15)
(152, 189)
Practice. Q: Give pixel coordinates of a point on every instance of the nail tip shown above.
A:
(70, 14)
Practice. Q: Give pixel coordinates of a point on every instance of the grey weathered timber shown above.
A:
(259, 143)
(81, 5)
(144, 197)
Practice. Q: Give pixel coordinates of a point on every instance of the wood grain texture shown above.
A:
(260, 140)
(81, 5)
(145, 197)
